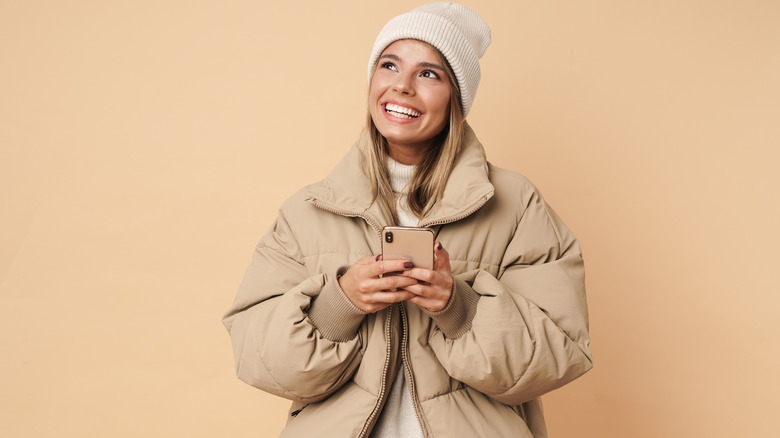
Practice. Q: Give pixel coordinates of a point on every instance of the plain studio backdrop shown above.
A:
(145, 147)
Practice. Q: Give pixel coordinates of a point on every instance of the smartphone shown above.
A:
(408, 243)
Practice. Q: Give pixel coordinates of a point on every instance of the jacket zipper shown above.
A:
(383, 386)
(404, 320)
(410, 376)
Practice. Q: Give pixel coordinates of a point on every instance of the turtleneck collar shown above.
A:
(400, 175)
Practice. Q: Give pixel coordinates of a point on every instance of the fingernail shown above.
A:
(439, 247)
(408, 265)
(379, 256)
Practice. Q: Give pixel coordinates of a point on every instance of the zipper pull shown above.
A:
(298, 411)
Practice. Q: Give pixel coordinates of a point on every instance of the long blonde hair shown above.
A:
(431, 174)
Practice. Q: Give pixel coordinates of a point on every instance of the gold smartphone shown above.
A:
(408, 243)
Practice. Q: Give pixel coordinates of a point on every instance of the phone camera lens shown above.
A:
(389, 237)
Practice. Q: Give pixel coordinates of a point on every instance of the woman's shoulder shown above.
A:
(512, 185)
(302, 198)
(516, 196)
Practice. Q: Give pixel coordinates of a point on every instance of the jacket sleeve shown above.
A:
(529, 333)
(276, 346)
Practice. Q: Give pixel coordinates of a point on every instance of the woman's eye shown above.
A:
(430, 74)
(388, 65)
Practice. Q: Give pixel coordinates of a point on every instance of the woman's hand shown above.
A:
(432, 289)
(370, 293)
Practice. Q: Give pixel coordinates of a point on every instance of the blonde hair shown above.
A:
(430, 177)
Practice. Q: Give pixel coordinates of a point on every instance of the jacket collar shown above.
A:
(347, 191)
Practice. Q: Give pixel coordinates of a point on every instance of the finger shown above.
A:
(427, 291)
(419, 290)
(424, 275)
(432, 305)
(367, 286)
(394, 282)
(442, 258)
(387, 266)
(389, 297)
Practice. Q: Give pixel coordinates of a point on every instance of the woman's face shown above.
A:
(409, 98)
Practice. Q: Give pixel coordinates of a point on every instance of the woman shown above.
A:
(465, 349)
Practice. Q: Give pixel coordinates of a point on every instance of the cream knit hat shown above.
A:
(459, 33)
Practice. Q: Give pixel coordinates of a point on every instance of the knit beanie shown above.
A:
(459, 33)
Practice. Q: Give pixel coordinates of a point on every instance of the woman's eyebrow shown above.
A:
(429, 65)
(421, 64)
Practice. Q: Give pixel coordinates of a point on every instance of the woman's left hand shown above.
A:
(434, 287)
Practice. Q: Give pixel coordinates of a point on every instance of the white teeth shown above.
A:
(402, 112)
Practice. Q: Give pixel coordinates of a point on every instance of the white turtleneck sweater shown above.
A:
(398, 419)
(400, 176)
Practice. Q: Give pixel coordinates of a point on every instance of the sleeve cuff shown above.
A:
(334, 315)
(455, 318)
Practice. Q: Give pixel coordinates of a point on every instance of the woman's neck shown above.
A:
(407, 154)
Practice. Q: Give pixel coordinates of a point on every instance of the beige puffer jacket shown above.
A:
(515, 328)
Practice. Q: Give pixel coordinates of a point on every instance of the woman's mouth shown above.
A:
(401, 112)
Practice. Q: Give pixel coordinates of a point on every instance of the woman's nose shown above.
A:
(403, 84)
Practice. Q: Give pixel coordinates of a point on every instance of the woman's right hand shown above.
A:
(371, 293)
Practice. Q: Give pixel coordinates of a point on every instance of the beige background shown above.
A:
(146, 145)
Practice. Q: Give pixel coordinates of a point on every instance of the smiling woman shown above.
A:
(409, 99)
(463, 349)
(418, 84)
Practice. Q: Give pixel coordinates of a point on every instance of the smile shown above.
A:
(401, 112)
